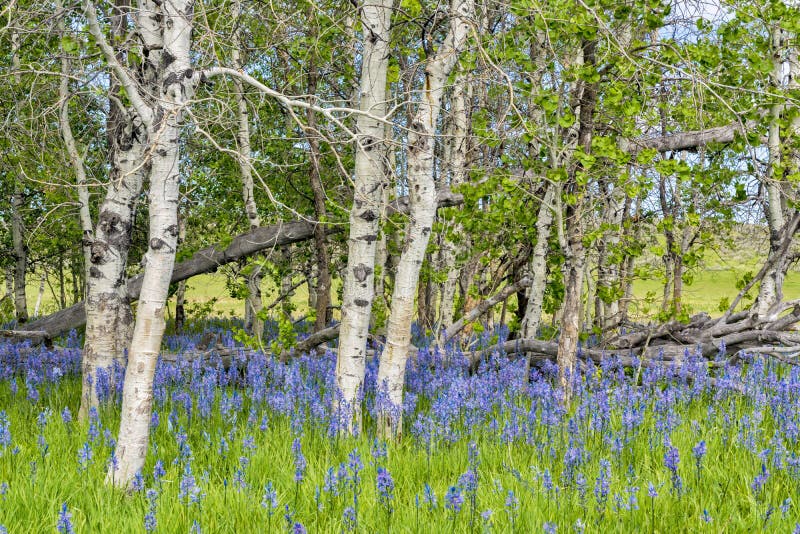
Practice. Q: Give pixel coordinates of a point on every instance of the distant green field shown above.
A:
(704, 293)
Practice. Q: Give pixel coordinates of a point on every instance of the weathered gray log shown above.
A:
(481, 308)
(661, 353)
(203, 261)
(211, 258)
(24, 334)
(312, 342)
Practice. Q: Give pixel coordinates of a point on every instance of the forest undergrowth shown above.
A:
(261, 447)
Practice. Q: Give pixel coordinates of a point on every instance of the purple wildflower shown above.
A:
(64, 524)
(760, 480)
(299, 461)
(454, 500)
(385, 485)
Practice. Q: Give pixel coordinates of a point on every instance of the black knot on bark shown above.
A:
(361, 303)
(361, 272)
(98, 252)
(170, 79)
(157, 243)
(167, 58)
(369, 215)
(109, 221)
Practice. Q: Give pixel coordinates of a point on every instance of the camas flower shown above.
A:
(385, 485)
(64, 524)
(454, 500)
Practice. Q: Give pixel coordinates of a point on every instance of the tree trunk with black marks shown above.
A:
(20, 249)
(771, 288)
(359, 285)
(422, 194)
(253, 324)
(538, 264)
(109, 318)
(20, 254)
(165, 30)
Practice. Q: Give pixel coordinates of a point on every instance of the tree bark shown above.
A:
(422, 193)
(323, 286)
(462, 94)
(108, 315)
(253, 324)
(20, 249)
(20, 255)
(538, 265)
(169, 25)
(359, 285)
(42, 280)
(575, 253)
(771, 289)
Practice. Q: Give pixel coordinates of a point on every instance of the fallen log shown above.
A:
(481, 308)
(656, 354)
(312, 342)
(24, 334)
(211, 258)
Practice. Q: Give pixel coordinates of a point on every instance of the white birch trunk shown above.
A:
(422, 196)
(75, 157)
(109, 319)
(42, 280)
(359, 286)
(607, 311)
(458, 161)
(771, 288)
(538, 265)
(20, 255)
(17, 223)
(573, 224)
(177, 82)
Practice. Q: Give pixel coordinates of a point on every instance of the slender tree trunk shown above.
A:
(20, 255)
(538, 265)
(575, 252)
(62, 285)
(323, 289)
(462, 93)
(253, 324)
(359, 285)
(109, 318)
(19, 247)
(42, 280)
(422, 193)
(75, 157)
(771, 289)
(172, 22)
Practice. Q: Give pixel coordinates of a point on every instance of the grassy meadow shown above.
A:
(261, 449)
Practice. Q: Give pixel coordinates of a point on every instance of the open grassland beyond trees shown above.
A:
(259, 448)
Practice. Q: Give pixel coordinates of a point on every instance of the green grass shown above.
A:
(40, 480)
